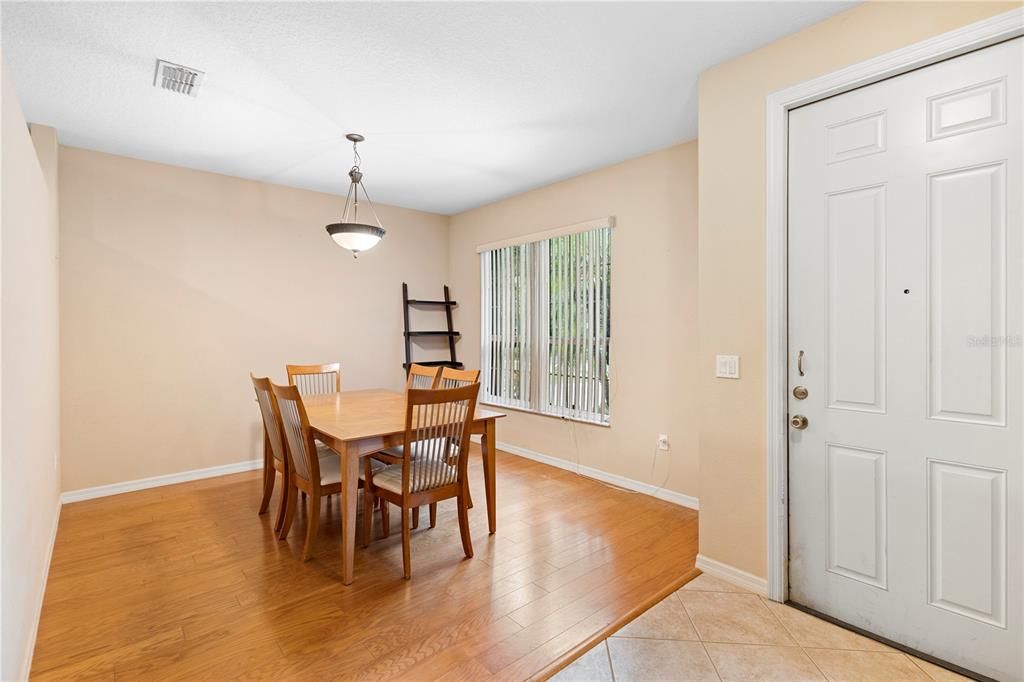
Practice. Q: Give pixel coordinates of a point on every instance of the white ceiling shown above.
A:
(461, 103)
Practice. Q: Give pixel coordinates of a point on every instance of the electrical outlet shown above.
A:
(727, 366)
(663, 441)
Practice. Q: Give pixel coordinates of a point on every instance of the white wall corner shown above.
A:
(30, 645)
(731, 574)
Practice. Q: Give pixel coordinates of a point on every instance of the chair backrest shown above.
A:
(436, 421)
(271, 419)
(454, 378)
(314, 379)
(422, 377)
(302, 457)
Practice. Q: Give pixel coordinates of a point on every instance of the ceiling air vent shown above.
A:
(177, 78)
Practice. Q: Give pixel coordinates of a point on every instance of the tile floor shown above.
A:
(713, 630)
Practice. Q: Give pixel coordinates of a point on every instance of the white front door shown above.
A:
(905, 329)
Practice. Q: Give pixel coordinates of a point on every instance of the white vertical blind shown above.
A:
(505, 346)
(546, 304)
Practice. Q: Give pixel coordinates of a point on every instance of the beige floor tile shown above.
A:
(809, 631)
(665, 620)
(592, 666)
(865, 666)
(659, 659)
(759, 662)
(936, 673)
(733, 618)
(709, 583)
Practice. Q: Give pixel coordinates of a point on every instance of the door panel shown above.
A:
(905, 295)
(855, 299)
(967, 541)
(967, 286)
(857, 514)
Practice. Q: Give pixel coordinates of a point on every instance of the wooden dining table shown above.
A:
(356, 424)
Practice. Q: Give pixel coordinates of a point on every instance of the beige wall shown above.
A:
(654, 297)
(732, 232)
(175, 284)
(30, 448)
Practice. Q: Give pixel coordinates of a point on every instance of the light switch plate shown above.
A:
(727, 366)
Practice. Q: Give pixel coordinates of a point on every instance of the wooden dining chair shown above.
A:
(315, 379)
(275, 457)
(309, 472)
(448, 378)
(438, 422)
(422, 377)
(451, 378)
(454, 378)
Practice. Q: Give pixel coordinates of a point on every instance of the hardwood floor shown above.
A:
(186, 581)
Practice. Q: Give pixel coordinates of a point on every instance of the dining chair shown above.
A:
(275, 457)
(448, 378)
(451, 378)
(438, 422)
(454, 378)
(315, 379)
(422, 377)
(308, 471)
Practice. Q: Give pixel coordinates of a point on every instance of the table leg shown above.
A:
(349, 489)
(487, 445)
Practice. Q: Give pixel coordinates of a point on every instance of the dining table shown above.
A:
(356, 424)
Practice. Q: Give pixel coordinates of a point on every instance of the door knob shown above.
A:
(798, 421)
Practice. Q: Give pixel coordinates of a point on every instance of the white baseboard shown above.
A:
(747, 581)
(30, 648)
(621, 481)
(157, 481)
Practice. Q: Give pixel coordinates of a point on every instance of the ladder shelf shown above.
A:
(447, 304)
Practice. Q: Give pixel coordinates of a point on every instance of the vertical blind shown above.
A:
(546, 325)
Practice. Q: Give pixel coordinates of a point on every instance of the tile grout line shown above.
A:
(697, 632)
(918, 666)
(797, 641)
(608, 653)
(708, 654)
(868, 651)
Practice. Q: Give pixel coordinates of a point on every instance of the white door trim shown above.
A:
(972, 37)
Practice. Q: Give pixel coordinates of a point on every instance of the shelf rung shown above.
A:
(439, 333)
(435, 363)
(420, 301)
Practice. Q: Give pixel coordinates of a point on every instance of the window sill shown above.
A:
(526, 410)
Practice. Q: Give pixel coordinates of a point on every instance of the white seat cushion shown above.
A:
(330, 465)
(390, 477)
(420, 447)
(330, 469)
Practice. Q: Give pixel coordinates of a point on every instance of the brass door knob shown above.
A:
(798, 421)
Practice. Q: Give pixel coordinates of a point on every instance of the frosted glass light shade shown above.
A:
(355, 237)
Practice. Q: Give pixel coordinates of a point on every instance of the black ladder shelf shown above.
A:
(447, 303)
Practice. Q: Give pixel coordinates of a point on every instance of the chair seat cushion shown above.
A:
(390, 477)
(330, 465)
(420, 448)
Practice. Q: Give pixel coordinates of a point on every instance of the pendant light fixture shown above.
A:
(350, 233)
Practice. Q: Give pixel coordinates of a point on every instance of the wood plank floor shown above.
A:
(186, 581)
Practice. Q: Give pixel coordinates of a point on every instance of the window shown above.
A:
(546, 324)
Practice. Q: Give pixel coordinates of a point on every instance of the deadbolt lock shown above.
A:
(800, 392)
(798, 421)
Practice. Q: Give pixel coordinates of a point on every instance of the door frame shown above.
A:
(996, 29)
